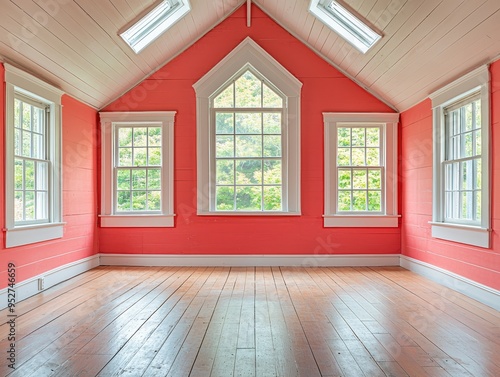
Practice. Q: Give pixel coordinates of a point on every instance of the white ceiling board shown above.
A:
(425, 43)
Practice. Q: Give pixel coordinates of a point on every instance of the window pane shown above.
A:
(358, 137)
(272, 172)
(225, 172)
(359, 179)
(358, 157)
(359, 201)
(477, 105)
(372, 156)
(224, 123)
(29, 205)
(344, 137)
(154, 200)
(38, 147)
(272, 198)
(138, 200)
(140, 136)
(478, 143)
(467, 177)
(41, 205)
(29, 175)
(224, 146)
(478, 172)
(17, 113)
(468, 117)
(123, 177)
(344, 201)
(249, 198)
(249, 123)
(17, 142)
(26, 144)
(18, 174)
(272, 146)
(154, 156)
(125, 157)
(225, 198)
(26, 119)
(375, 179)
(272, 123)
(38, 120)
(140, 156)
(248, 146)
(344, 179)
(374, 201)
(125, 136)
(248, 172)
(138, 179)
(19, 206)
(42, 176)
(373, 137)
(468, 144)
(248, 91)
(154, 136)
(344, 157)
(154, 179)
(478, 205)
(225, 98)
(124, 201)
(271, 99)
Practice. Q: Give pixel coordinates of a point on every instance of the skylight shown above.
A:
(344, 23)
(154, 23)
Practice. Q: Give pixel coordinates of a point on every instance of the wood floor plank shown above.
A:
(253, 321)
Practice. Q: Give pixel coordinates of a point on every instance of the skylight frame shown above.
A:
(342, 21)
(154, 23)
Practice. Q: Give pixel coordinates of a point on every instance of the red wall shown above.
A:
(478, 264)
(79, 198)
(324, 89)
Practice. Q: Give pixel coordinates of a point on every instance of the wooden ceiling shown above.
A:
(75, 44)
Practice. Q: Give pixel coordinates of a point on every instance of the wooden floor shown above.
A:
(260, 321)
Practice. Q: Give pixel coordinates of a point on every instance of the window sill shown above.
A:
(137, 221)
(249, 213)
(29, 234)
(361, 221)
(466, 234)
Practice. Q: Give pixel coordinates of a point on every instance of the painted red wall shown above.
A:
(79, 198)
(324, 89)
(478, 264)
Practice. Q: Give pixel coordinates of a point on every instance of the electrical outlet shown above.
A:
(41, 284)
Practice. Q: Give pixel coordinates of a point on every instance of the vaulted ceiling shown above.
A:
(74, 44)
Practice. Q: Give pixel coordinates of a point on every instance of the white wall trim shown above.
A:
(344, 260)
(470, 288)
(29, 287)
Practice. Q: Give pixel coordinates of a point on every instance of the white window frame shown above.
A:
(388, 217)
(476, 235)
(111, 120)
(248, 55)
(18, 81)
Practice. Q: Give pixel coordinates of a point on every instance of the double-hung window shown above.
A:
(360, 170)
(248, 136)
(33, 165)
(461, 160)
(137, 169)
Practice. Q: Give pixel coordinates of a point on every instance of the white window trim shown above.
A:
(108, 122)
(21, 82)
(479, 79)
(248, 53)
(390, 217)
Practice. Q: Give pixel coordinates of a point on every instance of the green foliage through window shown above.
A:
(248, 146)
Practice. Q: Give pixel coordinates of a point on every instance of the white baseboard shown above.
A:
(30, 287)
(249, 260)
(470, 288)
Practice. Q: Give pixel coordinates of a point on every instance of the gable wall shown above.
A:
(324, 89)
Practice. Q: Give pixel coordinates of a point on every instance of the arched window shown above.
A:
(248, 125)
